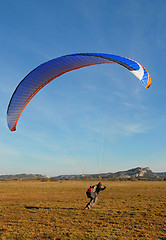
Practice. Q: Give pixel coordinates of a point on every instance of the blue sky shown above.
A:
(96, 119)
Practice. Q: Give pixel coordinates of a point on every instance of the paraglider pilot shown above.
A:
(93, 193)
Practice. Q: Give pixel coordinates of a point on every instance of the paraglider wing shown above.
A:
(52, 69)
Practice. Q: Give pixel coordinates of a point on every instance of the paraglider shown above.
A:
(92, 193)
(46, 72)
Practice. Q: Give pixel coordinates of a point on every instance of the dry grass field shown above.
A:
(54, 210)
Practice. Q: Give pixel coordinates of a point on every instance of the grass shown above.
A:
(54, 210)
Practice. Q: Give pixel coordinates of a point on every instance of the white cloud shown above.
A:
(132, 128)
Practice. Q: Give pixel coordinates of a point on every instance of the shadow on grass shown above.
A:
(36, 208)
(33, 207)
(69, 208)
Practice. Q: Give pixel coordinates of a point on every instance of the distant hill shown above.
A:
(23, 177)
(135, 173)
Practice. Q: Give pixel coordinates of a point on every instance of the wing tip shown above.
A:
(148, 78)
(148, 84)
(13, 128)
